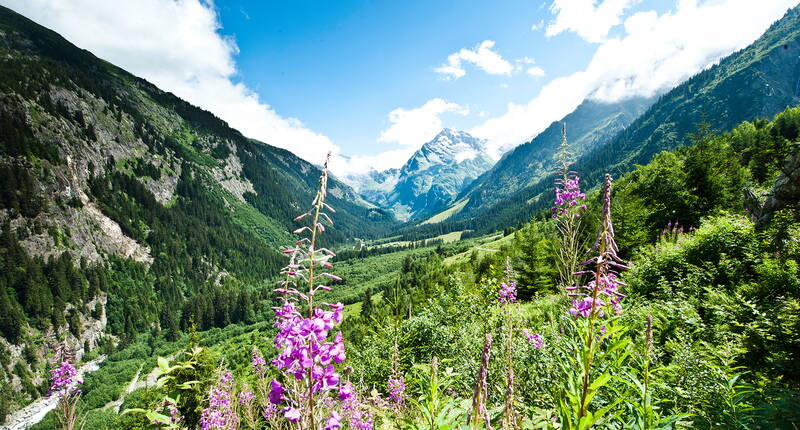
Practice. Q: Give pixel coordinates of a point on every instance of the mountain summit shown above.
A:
(448, 148)
(430, 179)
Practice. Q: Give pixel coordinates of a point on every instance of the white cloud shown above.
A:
(414, 127)
(175, 45)
(482, 56)
(352, 166)
(538, 25)
(588, 19)
(536, 71)
(657, 53)
(410, 129)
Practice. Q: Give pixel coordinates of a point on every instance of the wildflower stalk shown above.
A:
(509, 308)
(305, 352)
(648, 347)
(567, 212)
(596, 298)
(396, 385)
(481, 392)
(319, 201)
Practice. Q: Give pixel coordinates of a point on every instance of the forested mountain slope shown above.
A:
(756, 82)
(124, 208)
(590, 125)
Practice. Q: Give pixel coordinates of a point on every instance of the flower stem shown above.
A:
(323, 182)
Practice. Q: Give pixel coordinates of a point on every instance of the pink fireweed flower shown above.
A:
(568, 197)
(219, 414)
(397, 390)
(333, 422)
(291, 414)
(507, 293)
(345, 392)
(534, 338)
(63, 378)
(276, 392)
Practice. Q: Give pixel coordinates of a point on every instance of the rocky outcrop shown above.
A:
(786, 190)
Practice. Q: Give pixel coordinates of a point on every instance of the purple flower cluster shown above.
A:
(361, 420)
(602, 290)
(175, 416)
(507, 293)
(607, 295)
(63, 379)
(672, 231)
(568, 197)
(353, 408)
(534, 338)
(397, 390)
(246, 397)
(269, 411)
(219, 415)
(258, 363)
(333, 422)
(303, 345)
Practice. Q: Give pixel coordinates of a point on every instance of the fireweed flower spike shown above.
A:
(601, 294)
(307, 348)
(64, 380)
(568, 208)
(593, 299)
(507, 298)
(480, 394)
(258, 363)
(219, 414)
(507, 293)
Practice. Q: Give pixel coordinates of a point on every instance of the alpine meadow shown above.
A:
(214, 216)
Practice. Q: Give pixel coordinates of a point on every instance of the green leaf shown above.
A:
(163, 364)
(601, 381)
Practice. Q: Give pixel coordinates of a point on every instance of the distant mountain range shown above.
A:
(430, 180)
(756, 82)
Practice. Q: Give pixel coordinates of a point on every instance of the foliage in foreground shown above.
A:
(707, 337)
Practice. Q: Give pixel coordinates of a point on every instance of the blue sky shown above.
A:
(371, 81)
(342, 66)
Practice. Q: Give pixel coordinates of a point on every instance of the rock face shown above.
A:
(374, 186)
(437, 172)
(785, 191)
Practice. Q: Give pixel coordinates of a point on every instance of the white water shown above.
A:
(35, 412)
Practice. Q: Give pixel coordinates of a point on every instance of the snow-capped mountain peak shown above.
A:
(448, 148)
